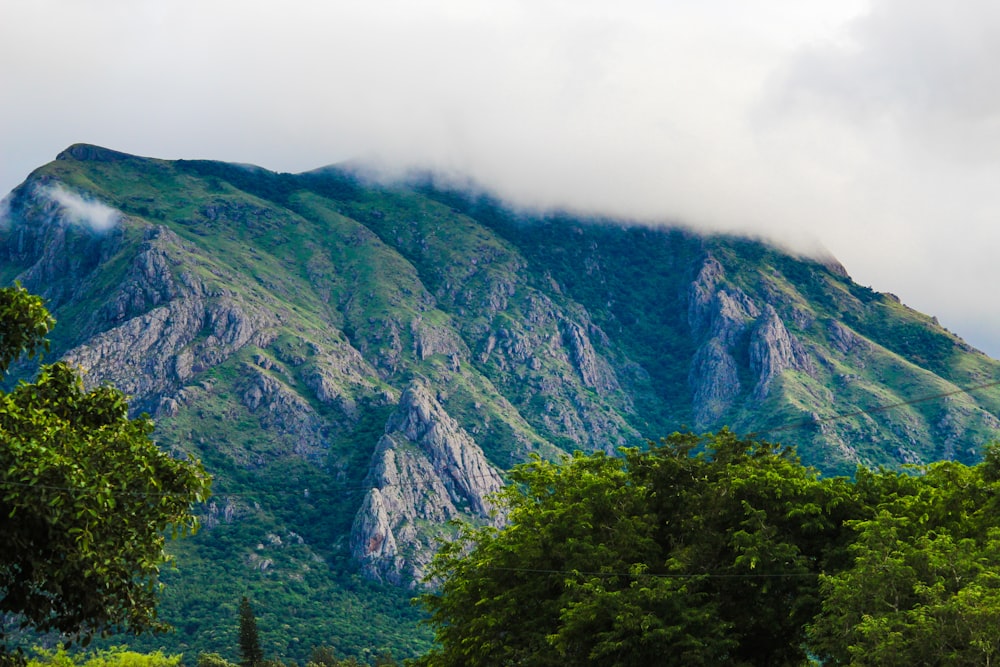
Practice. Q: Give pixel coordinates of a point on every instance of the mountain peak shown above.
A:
(91, 153)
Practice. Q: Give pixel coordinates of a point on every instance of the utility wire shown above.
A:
(657, 575)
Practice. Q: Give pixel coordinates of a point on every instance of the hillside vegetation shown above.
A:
(357, 364)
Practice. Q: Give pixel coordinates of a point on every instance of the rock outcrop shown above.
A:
(773, 351)
(152, 355)
(594, 371)
(425, 471)
(58, 256)
(149, 281)
(843, 339)
(286, 414)
(732, 325)
(720, 318)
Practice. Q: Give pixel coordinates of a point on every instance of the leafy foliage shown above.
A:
(118, 656)
(664, 556)
(85, 494)
(720, 550)
(213, 660)
(25, 325)
(324, 656)
(299, 601)
(923, 586)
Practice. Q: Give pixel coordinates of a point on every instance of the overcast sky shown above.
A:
(869, 128)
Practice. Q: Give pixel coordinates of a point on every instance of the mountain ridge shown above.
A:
(281, 327)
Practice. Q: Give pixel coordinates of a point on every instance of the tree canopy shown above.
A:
(923, 585)
(85, 495)
(722, 550)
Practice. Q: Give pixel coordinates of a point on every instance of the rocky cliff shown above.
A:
(425, 471)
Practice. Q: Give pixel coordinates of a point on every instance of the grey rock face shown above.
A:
(425, 470)
(455, 455)
(550, 355)
(373, 540)
(702, 292)
(430, 339)
(152, 355)
(731, 324)
(844, 339)
(339, 375)
(715, 379)
(594, 371)
(723, 320)
(149, 281)
(60, 256)
(773, 350)
(283, 412)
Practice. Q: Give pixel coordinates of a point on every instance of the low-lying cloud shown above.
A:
(5, 212)
(902, 114)
(94, 215)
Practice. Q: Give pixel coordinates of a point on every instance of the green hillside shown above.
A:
(357, 364)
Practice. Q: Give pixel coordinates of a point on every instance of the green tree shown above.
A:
(213, 660)
(251, 654)
(118, 656)
(85, 495)
(325, 656)
(923, 586)
(697, 551)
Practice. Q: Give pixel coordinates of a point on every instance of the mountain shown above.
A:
(357, 364)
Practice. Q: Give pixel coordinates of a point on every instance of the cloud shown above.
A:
(902, 110)
(869, 127)
(920, 67)
(94, 215)
(5, 212)
(633, 108)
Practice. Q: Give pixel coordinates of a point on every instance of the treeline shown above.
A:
(703, 550)
(121, 656)
(251, 654)
(710, 550)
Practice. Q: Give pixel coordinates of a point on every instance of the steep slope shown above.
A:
(357, 364)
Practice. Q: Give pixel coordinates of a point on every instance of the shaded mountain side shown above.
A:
(357, 364)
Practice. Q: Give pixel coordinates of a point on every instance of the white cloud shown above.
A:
(94, 215)
(869, 127)
(906, 106)
(4, 212)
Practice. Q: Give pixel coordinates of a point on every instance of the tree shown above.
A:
(923, 584)
(213, 660)
(720, 550)
(251, 654)
(85, 495)
(697, 551)
(117, 656)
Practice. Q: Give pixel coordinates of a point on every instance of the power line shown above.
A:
(658, 575)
